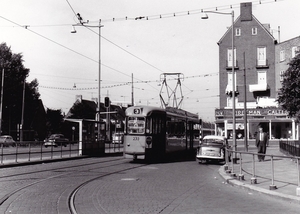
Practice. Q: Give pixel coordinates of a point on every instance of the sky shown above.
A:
(170, 37)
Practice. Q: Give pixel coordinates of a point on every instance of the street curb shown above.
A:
(234, 182)
(34, 162)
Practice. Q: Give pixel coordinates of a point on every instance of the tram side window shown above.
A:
(157, 125)
(136, 125)
(176, 129)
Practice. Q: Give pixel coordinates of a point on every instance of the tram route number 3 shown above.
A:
(136, 138)
(138, 111)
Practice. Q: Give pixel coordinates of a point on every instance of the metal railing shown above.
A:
(290, 146)
(36, 151)
(246, 164)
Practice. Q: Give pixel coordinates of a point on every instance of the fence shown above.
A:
(290, 147)
(36, 151)
(276, 170)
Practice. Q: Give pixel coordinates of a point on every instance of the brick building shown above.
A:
(258, 66)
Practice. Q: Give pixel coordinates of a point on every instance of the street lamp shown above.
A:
(204, 16)
(99, 62)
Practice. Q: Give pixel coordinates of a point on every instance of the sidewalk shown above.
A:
(285, 183)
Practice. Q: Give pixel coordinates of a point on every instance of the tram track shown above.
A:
(71, 201)
(42, 180)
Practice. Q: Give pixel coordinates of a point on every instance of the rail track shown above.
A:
(60, 182)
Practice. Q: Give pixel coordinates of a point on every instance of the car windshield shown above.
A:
(55, 136)
(213, 141)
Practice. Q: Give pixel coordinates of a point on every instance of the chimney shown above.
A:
(268, 27)
(246, 11)
(79, 98)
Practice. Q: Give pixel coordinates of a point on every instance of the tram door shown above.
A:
(158, 133)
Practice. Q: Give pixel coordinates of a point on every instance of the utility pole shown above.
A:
(132, 98)
(245, 108)
(1, 101)
(22, 116)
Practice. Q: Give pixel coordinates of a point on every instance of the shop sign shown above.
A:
(227, 113)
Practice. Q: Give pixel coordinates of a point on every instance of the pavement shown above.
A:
(283, 183)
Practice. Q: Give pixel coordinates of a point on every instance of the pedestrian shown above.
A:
(261, 143)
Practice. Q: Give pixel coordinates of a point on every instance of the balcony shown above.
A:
(258, 87)
(262, 64)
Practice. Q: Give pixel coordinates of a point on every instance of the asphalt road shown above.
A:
(116, 185)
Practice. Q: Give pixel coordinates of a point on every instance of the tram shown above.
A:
(153, 133)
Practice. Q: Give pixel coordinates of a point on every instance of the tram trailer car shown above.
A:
(154, 133)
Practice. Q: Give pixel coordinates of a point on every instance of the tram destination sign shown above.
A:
(227, 113)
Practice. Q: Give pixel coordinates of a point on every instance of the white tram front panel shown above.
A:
(135, 145)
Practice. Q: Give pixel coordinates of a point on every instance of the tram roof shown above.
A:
(142, 110)
(146, 110)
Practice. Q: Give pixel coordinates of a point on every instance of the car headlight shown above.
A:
(200, 151)
(222, 153)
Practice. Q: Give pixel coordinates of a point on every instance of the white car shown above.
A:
(7, 140)
(212, 148)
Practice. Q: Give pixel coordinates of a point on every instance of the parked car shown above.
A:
(56, 140)
(117, 138)
(213, 148)
(7, 140)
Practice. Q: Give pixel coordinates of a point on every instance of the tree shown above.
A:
(55, 120)
(14, 80)
(289, 94)
(83, 110)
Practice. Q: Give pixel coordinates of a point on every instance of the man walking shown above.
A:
(261, 143)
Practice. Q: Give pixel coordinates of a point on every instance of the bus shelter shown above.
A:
(87, 132)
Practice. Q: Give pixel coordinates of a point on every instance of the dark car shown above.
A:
(56, 140)
(213, 148)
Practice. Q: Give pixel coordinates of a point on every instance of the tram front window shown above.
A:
(136, 125)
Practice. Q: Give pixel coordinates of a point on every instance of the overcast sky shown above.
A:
(174, 39)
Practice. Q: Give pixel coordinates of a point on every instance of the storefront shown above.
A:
(274, 121)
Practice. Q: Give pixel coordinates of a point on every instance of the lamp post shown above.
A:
(84, 24)
(204, 16)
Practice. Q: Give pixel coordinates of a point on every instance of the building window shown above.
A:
(295, 51)
(282, 55)
(230, 57)
(261, 56)
(254, 31)
(229, 86)
(238, 31)
(230, 103)
(261, 77)
(281, 75)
